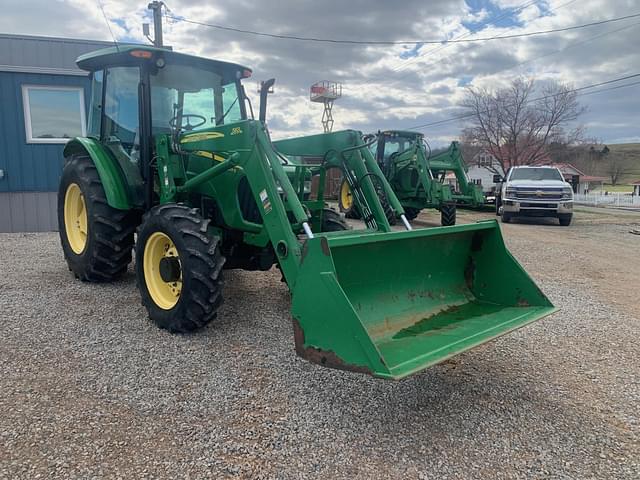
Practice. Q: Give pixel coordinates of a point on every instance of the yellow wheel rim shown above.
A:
(346, 198)
(75, 218)
(164, 294)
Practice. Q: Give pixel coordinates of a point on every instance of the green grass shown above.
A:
(616, 188)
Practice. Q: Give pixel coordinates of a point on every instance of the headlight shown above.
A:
(510, 192)
(567, 193)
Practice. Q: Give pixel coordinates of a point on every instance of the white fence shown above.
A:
(611, 200)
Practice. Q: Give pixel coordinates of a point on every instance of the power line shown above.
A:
(568, 47)
(108, 24)
(517, 9)
(399, 42)
(408, 62)
(572, 45)
(574, 90)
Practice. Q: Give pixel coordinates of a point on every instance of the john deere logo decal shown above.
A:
(210, 155)
(199, 137)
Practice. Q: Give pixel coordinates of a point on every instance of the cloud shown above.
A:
(384, 86)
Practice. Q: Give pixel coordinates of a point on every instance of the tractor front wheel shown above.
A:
(178, 268)
(333, 222)
(411, 213)
(448, 214)
(96, 239)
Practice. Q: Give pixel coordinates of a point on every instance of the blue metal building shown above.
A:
(43, 102)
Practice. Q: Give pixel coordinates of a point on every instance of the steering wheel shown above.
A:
(188, 127)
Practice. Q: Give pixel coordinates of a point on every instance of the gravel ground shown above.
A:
(90, 388)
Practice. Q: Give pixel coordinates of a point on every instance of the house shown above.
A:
(581, 182)
(43, 98)
(482, 167)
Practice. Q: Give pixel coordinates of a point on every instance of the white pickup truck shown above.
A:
(534, 192)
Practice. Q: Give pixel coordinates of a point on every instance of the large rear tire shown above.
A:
(448, 214)
(348, 206)
(96, 239)
(178, 268)
(389, 212)
(346, 202)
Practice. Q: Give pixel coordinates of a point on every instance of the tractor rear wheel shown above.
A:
(178, 268)
(96, 239)
(333, 222)
(345, 201)
(448, 214)
(389, 212)
(350, 209)
(411, 213)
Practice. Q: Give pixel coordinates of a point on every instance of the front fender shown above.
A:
(113, 182)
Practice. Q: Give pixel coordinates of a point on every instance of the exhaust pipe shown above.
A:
(266, 87)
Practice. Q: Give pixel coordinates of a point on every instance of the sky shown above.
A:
(384, 86)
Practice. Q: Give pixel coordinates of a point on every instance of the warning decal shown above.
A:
(266, 204)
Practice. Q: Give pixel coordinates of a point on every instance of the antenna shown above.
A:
(326, 92)
(156, 7)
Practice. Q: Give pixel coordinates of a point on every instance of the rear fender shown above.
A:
(112, 179)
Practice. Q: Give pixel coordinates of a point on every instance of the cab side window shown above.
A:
(95, 109)
(121, 108)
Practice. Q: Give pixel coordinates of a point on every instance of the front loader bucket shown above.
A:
(392, 304)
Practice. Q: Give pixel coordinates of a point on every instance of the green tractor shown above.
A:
(417, 177)
(175, 167)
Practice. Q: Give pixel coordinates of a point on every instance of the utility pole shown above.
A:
(156, 7)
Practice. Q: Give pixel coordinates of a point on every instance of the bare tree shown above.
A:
(515, 125)
(616, 165)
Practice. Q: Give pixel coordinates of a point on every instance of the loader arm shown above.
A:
(387, 303)
(451, 160)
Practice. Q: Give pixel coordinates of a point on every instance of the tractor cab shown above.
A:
(393, 143)
(140, 93)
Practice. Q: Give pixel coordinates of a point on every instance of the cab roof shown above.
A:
(134, 55)
(403, 133)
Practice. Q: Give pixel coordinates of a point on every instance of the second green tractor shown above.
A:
(417, 177)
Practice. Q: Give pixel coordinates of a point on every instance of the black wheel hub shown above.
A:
(170, 269)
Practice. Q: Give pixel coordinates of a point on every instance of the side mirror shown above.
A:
(498, 178)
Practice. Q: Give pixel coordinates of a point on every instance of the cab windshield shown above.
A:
(189, 99)
(395, 144)
(535, 173)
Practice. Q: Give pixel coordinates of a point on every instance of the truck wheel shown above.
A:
(333, 222)
(565, 220)
(411, 213)
(178, 268)
(498, 205)
(96, 239)
(448, 214)
(506, 217)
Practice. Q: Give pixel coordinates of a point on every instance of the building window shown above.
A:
(53, 114)
(484, 160)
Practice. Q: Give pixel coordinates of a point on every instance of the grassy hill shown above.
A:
(630, 153)
(624, 157)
